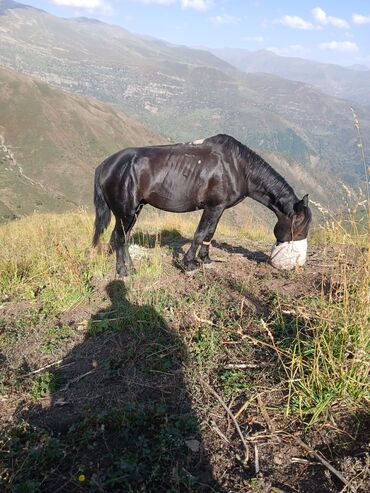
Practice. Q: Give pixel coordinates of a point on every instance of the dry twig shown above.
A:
(203, 321)
(256, 459)
(76, 379)
(265, 414)
(45, 367)
(240, 366)
(222, 402)
(324, 462)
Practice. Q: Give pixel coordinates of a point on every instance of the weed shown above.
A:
(54, 337)
(235, 382)
(43, 385)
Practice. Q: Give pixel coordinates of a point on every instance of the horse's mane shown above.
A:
(258, 170)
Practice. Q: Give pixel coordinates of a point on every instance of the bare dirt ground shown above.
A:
(135, 374)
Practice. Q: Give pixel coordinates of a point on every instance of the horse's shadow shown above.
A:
(174, 240)
(121, 410)
(255, 256)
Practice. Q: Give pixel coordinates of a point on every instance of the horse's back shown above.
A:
(175, 177)
(178, 178)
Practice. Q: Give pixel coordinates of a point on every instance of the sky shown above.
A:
(328, 31)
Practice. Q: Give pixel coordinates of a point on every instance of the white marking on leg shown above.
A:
(206, 243)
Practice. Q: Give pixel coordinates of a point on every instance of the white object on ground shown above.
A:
(289, 254)
(137, 251)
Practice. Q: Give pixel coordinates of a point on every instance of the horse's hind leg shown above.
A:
(205, 229)
(119, 239)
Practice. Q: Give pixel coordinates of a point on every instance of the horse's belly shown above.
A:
(178, 191)
(176, 203)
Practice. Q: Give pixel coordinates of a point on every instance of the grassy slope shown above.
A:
(51, 143)
(124, 400)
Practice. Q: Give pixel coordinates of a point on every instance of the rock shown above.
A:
(193, 445)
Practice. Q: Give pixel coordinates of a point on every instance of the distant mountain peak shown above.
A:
(89, 20)
(6, 5)
(359, 67)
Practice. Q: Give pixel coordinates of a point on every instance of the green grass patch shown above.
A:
(43, 385)
(55, 337)
(235, 382)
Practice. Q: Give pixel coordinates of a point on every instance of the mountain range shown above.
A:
(179, 92)
(350, 83)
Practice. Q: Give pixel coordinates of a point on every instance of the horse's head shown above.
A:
(291, 233)
(294, 227)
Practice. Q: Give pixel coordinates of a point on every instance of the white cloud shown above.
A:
(319, 15)
(196, 4)
(338, 22)
(296, 22)
(342, 46)
(90, 6)
(360, 19)
(223, 19)
(201, 5)
(158, 2)
(323, 18)
(81, 4)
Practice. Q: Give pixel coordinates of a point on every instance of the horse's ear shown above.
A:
(301, 204)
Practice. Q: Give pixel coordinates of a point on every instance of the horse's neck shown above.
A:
(270, 189)
(276, 205)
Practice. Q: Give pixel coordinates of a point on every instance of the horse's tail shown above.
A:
(102, 211)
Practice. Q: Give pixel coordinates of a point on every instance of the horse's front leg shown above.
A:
(203, 254)
(204, 249)
(203, 235)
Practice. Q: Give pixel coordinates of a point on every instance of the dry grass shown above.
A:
(325, 351)
(51, 255)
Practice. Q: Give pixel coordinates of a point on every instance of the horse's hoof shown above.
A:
(190, 267)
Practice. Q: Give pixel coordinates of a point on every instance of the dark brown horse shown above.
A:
(212, 174)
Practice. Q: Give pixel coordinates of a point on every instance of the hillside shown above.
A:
(343, 82)
(51, 142)
(188, 94)
(140, 385)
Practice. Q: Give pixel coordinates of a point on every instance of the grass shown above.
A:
(323, 347)
(315, 349)
(326, 357)
(49, 257)
(48, 260)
